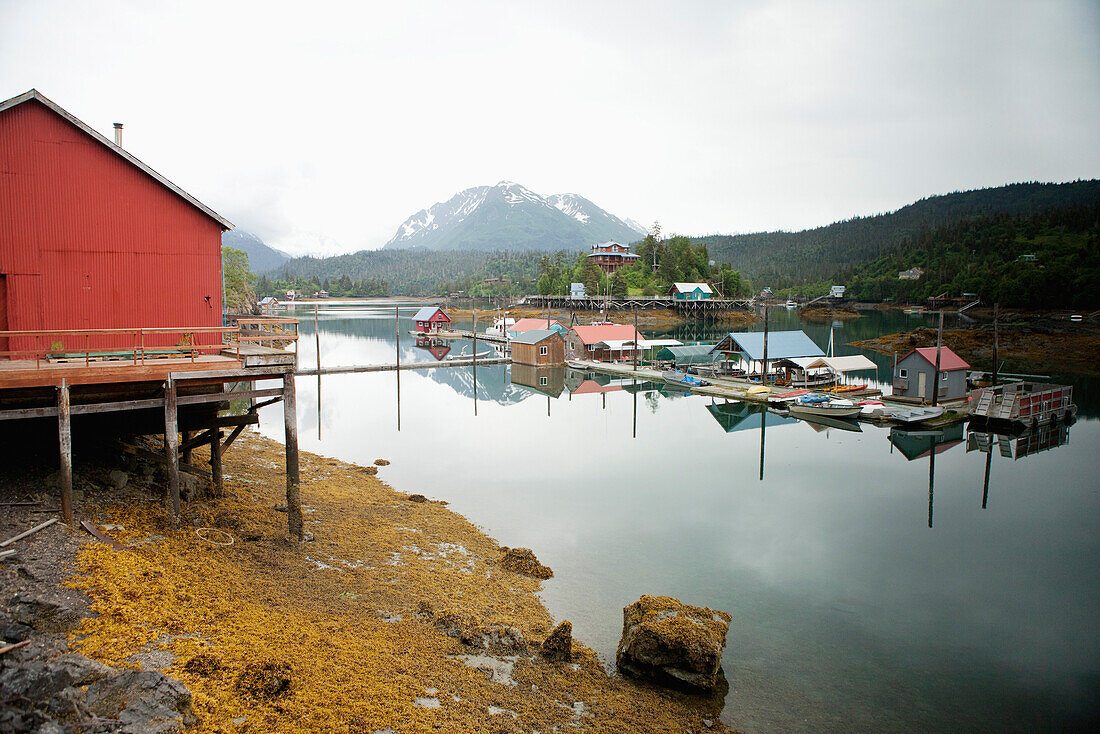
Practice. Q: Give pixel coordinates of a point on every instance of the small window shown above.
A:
(542, 351)
(572, 345)
(943, 377)
(543, 380)
(903, 373)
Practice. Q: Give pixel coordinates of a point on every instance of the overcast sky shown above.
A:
(322, 126)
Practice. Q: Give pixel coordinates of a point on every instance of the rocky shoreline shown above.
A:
(400, 616)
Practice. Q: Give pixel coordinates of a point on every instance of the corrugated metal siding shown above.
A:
(88, 240)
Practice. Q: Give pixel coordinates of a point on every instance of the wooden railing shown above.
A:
(55, 345)
(273, 330)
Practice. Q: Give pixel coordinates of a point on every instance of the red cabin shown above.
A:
(92, 238)
(430, 319)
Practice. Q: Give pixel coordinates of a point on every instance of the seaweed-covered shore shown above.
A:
(399, 615)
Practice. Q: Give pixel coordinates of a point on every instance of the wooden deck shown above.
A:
(23, 373)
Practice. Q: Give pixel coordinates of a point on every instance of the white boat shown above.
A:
(812, 405)
(918, 415)
(792, 304)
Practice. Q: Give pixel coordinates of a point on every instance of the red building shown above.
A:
(611, 256)
(431, 318)
(91, 237)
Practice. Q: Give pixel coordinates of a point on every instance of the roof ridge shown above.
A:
(34, 94)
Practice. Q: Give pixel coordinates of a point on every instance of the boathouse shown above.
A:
(430, 319)
(745, 352)
(611, 256)
(527, 324)
(111, 306)
(603, 342)
(690, 292)
(94, 238)
(916, 371)
(538, 347)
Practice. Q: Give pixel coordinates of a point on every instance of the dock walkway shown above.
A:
(732, 388)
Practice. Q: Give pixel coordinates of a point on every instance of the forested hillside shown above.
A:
(1045, 260)
(786, 258)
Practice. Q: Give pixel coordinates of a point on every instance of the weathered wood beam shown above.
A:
(293, 480)
(195, 442)
(185, 447)
(171, 445)
(216, 461)
(216, 397)
(65, 441)
(232, 437)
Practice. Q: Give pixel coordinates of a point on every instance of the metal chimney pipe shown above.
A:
(118, 134)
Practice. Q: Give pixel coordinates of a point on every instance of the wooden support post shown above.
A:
(996, 308)
(216, 463)
(171, 446)
(185, 449)
(293, 480)
(764, 366)
(64, 435)
(397, 348)
(936, 376)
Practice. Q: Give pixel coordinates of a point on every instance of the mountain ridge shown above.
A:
(509, 216)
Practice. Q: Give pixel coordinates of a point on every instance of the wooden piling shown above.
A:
(185, 452)
(397, 346)
(996, 308)
(293, 479)
(216, 464)
(64, 435)
(171, 446)
(936, 376)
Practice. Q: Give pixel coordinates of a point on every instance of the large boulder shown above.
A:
(672, 643)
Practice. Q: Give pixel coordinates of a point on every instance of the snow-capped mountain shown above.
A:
(510, 216)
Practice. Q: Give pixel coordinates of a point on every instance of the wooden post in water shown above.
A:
(293, 479)
(936, 376)
(635, 338)
(634, 382)
(397, 348)
(171, 445)
(317, 335)
(216, 463)
(995, 358)
(763, 417)
(988, 461)
(931, 470)
(475, 358)
(64, 435)
(764, 377)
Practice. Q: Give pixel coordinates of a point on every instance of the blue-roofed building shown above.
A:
(748, 347)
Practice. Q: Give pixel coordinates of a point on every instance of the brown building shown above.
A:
(538, 347)
(611, 256)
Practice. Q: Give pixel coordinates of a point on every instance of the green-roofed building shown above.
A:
(688, 356)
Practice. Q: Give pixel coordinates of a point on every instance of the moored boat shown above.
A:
(680, 379)
(823, 405)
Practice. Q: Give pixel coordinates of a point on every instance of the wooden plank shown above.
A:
(232, 437)
(293, 480)
(216, 397)
(27, 533)
(405, 366)
(171, 441)
(47, 376)
(194, 442)
(14, 646)
(65, 441)
(100, 536)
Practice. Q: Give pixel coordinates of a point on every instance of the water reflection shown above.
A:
(849, 613)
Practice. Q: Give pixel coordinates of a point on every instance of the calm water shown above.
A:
(850, 613)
